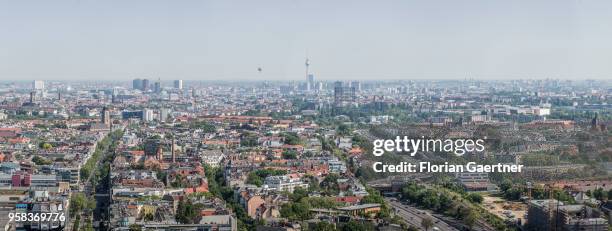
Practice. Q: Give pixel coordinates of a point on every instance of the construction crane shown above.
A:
(553, 207)
(529, 187)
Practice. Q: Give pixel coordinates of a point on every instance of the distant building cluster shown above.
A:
(294, 155)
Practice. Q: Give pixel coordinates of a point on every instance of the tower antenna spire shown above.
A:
(307, 63)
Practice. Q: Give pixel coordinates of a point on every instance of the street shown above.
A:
(414, 216)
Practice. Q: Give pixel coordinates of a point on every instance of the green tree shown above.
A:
(298, 194)
(475, 198)
(249, 140)
(289, 154)
(257, 177)
(373, 197)
(295, 211)
(426, 223)
(47, 146)
(253, 178)
(186, 212)
(205, 126)
(313, 182)
(78, 202)
(470, 218)
(135, 227)
(599, 194)
(291, 138)
(356, 226)
(320, 202)
(323, 226)
(344, 130)
(88, 225)
(512, 194)
(330, 184)
(505, 185)
(41, 161)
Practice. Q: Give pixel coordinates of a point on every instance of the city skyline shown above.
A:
(435, 155)
(76, 40)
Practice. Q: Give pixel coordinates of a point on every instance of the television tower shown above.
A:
(309, 82)
(307, 63)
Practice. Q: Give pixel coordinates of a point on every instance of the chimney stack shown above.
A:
(173, 152)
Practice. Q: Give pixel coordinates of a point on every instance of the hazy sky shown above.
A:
(191, 40)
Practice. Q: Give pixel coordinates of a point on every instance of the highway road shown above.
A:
(414, 216)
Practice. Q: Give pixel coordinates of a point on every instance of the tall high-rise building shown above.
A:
(178, 84)
(287, 89)
(194, 93)
(145, 85)
(311, 82)
(32, 97)
(356, 85)
(338, 92)
(114, 96)
(157, 86)
(38, 85)
(343, 94)
(147, 115)
(137, 84)
(319, 86)
(105, 116)
(164, 114)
